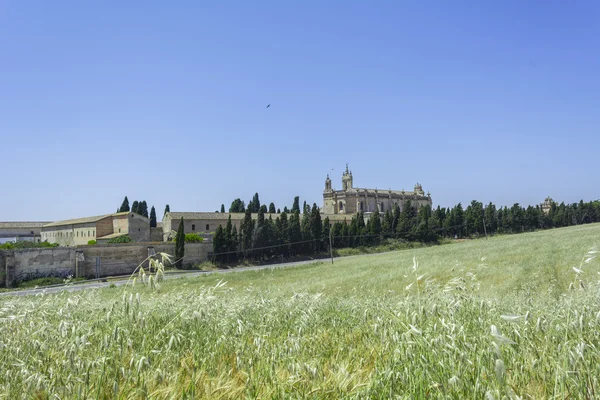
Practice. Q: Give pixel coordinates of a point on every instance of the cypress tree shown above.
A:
(374, 230)
(247, 232)
(263, 208)
(124, 205)
(325, 232)
(296, 206)
(407, 222)
(219, 244)
(317, 227)
(423, 230)
(395, 218)
(144, 208)
(260, 237)
(254, 203)
(272, 208)
(361, 228)
(285, 209)
(270, 237)
(295, 233)
(490, 219)
(235, 243)
(284, 234)
(278, 211)
(135, 207)
(167, 209)
(180, 244)
(223, 208)
(152, 217)
(237, 206)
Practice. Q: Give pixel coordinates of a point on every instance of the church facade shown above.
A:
(351, 200)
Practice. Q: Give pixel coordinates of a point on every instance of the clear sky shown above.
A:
(166, 101)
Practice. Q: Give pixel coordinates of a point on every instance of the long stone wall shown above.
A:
(115, 259)
(25, 264)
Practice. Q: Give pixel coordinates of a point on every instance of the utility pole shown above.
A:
(484, 228)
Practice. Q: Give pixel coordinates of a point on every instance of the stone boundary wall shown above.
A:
(115, 259)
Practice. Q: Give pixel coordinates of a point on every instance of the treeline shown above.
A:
(290, 234)
(295, 234)
(238, 206)
(141, 208)
(478, 219)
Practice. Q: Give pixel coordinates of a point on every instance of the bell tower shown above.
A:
(328, 184)
(347, 179)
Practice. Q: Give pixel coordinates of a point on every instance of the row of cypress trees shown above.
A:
(294, 233)
(141, 208)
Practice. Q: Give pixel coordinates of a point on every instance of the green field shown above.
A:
(501, 318)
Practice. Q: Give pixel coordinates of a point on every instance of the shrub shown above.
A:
(91, 242)
(193, 238)
(26, 245)
(120, 239)
(47, 281)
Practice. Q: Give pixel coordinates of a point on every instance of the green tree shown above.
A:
(272, 208)
(517, 218)
(491, 221)
(235, 243)
(260, 234)
(407, 221)
(193, 238)
(135, 207)
(295, 233)
(237, 206)
(361, 228)
(424, 232)
(143, 208)
(222, 208)
(264, 209)
(180, 244)
(247, 231)
(124, 205)
(317, 228)
(386, 224)
(307, 233)
(219, 244)
(374, 227)
(152, 217)
(296, 206)
(326, 232)
(474, 218)
(283, 234)
(254, 204)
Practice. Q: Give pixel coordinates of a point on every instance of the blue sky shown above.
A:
(165, 101)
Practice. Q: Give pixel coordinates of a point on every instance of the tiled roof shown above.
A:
(76, 221)
(239, 216)
(22, 224)
(213, 215)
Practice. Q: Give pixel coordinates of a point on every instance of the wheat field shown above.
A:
(510, 317)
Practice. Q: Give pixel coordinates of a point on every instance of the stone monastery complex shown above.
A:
(338, 205)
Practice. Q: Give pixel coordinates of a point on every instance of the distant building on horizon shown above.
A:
(351, 200)
(547, 205)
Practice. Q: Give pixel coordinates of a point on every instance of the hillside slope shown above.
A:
(487, 317)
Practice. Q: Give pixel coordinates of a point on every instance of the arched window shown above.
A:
(381, 206)
(341, 206)
(361, 206)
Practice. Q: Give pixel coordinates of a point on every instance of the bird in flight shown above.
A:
(268, 105)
